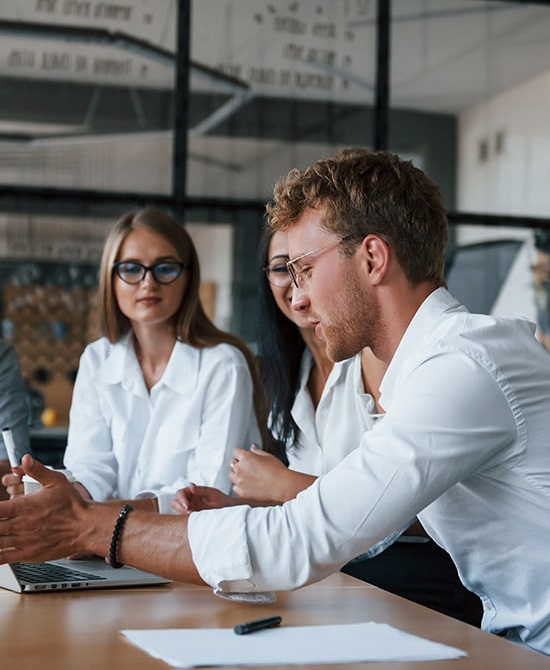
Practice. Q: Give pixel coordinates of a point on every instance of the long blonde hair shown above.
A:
(193, 326)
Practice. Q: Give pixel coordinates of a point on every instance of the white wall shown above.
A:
(513, 179)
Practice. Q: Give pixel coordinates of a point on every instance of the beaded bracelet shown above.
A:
(117, 530)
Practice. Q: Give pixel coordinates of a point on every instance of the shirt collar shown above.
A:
(121, 367)
(335, 374)
(420, 327)
(183, 368)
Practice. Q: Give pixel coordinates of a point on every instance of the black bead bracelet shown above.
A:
(117, 530)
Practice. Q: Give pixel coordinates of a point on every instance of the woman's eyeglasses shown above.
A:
(164, 272)
(277, 273)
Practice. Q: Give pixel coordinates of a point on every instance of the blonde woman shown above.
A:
(163, 398)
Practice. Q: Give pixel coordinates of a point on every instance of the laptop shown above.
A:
(67, 575)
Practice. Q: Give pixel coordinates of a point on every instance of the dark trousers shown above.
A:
(424, 573)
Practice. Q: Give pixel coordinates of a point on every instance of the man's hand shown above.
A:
(45, 524)
(194, 498)
(56, 521)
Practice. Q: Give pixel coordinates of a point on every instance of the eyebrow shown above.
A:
(160, 259)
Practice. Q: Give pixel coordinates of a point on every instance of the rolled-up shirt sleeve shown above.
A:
(218, 540)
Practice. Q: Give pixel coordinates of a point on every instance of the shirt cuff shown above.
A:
(218, 543)
(164, 500)
(256, 598)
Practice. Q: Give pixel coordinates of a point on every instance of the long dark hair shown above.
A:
(280, 349)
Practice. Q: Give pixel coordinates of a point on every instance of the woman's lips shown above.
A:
(149, 300)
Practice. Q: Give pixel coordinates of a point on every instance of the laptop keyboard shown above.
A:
(36, 573)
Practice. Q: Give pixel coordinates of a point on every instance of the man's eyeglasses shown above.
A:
(299, 276)
(277, 273)
(164, 272)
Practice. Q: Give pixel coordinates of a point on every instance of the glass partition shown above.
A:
(87, 108)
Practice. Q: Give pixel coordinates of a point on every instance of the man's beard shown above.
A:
(356, 323)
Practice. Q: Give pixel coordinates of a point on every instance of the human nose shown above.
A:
(149, 277)
(288, 290)
(300, 300)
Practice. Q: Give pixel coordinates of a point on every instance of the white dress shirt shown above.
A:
(125, 442)
(329, 432)
(464, 444)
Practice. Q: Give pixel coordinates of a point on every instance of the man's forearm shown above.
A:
(56, 521)
(149, 541)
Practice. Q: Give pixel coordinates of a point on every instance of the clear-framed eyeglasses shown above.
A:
(277, 272)
(299, 276)
(164, 272)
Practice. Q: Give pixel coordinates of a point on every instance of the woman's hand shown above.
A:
(257, 475)
(194, 498)
(14, 484)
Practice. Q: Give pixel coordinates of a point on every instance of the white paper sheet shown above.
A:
(347, 643)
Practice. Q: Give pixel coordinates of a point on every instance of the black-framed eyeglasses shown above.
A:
(299, 276)
(164, 272)
(277, 272)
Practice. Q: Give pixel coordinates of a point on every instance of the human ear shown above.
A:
(375, 254)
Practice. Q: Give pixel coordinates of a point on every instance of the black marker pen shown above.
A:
(259, 624)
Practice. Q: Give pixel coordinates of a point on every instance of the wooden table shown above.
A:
(80, 630)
